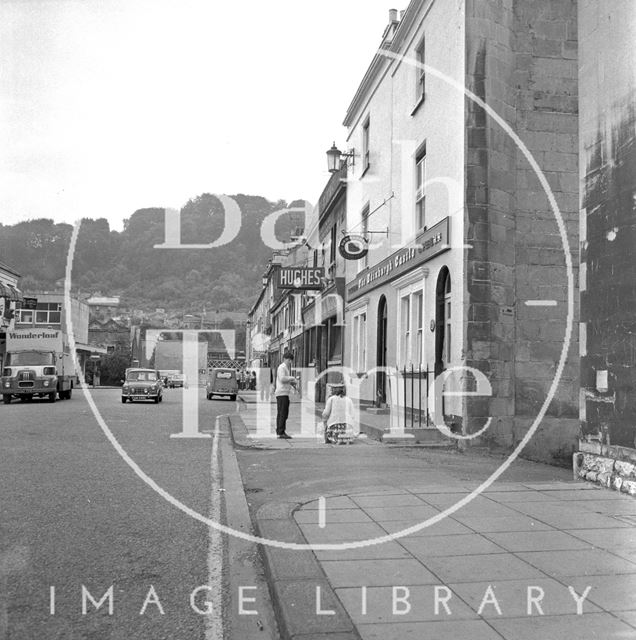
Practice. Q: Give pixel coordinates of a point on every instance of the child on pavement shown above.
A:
(338, 416)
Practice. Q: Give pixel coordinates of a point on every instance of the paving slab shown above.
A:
(607, 538)
(388, 604)
(415, 513)
(389, 549)
(459, 545)
(515, 522)
(341, 532)
(445, 527)
(312, 516)
(331, 502)
(587, 562)
(610, 592)
(495, 566)
(383, 500)
(377, 573)
(537, 541)
(518, 598)
(590, 626)
(447, 630)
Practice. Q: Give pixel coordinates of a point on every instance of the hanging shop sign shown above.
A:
(305, 278)
(353, 247)
(29, 303)
(429, 244)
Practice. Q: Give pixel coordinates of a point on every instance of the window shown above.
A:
(420, 194)
(332, 249)
(418, 328)
(405, 333)
(364, 230)
(24, 316)
(359, 342)
(48, 313)
(420, 73)
(365, 145)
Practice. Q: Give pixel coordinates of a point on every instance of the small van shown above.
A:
(221, 382)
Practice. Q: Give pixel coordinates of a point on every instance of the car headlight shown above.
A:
(46, 383)
(7, 384)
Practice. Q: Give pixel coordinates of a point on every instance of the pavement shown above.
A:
(521, 560)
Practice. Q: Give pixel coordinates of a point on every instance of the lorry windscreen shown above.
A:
(32, 358)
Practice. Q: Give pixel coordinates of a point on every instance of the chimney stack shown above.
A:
(393, 15)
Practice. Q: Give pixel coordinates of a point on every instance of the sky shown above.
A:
(108, 106)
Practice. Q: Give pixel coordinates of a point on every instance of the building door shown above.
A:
(442, 325)
(380, 393)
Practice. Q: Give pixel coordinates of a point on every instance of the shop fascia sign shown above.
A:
(429, 244)
(303, 278)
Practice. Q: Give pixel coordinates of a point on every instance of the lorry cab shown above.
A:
(38, 365)
(221, 382)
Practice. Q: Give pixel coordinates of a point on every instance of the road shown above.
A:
(73, 513)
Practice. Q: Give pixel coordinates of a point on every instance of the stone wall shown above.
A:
(522, 60)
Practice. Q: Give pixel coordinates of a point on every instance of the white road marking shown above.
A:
(322, 512)
(214, 621)
(541, 303)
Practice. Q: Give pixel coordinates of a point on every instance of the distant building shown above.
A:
(10, 296)
(51, 312)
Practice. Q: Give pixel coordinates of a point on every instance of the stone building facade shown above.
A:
(472, 271)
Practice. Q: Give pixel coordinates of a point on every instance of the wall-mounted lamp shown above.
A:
(334, 158)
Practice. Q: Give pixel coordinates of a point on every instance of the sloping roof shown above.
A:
(9, 292)
(11, 270)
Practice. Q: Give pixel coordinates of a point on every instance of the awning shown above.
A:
(10, 293)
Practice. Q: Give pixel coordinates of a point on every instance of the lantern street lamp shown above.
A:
(334, 158)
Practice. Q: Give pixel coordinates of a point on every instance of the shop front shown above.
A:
(400, 322)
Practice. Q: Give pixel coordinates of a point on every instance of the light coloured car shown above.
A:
(142, 384)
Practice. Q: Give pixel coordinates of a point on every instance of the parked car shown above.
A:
(142, 384)
(177, 380)
(221, 382)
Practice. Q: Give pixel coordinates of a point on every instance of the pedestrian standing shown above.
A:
(338, 416)
(284, 384)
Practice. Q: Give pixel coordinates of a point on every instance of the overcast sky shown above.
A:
(109, 106)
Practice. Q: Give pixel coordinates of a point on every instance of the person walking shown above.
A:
(284, 384)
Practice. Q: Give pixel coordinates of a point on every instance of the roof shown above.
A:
(9, 292)
(11, 270)
(378, 61)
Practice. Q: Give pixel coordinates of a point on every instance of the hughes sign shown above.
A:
(300, 278)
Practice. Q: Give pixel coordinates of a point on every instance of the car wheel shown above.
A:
(6, 398)
(69, 393)
(52, 396)
(123, 400)
(233, 398)
(156, 399)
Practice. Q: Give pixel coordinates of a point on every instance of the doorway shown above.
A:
(380, 392)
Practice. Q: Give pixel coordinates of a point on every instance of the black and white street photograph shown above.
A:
(318, 320)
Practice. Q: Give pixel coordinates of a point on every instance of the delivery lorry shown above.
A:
(38, 364)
